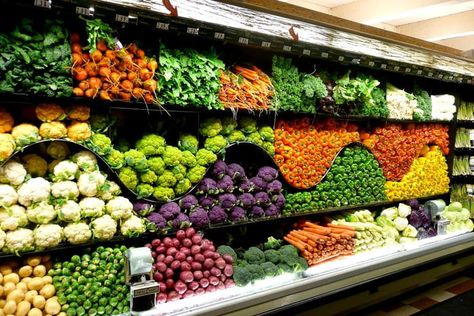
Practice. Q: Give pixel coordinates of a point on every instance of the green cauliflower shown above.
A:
(115, 159)
(211, 127)
(136, 160)
(229, 124)
(236, 136)
(100, 143)
(100, 122)
(215, 144)
(269, 148)
(144, 190)
(248, 125)
(167, 179)
(205, 157)
(253, 255)
(129, 177)
(148, 177)
(122, 145)
(255, 138)
(182, 186)
(195, 174)
(267, 134)
(163, 194)
(172, 156)
(179, 172)
(189, 160)
(188, 142)
(157, 165)
(227, 250)
(151, 145)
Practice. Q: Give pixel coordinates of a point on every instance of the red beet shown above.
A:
(160, 266)
(222, 277)
(189, 259)
(169, 273)
(175, 265)
(205, 244)
(173, 296)
(188, 293)
(176, 242)
(186, 276)
(185, 250)
(211, 288)
(180, 256)
(220, 263)
(187, 242)
(200, 291)
(162, 286)
(193, 285)
(185, 266)
(206, 273)
(180, 234)
(215, 271)
(190, 232)
(213, 280)
(195, 249)
(158, 276)
(155, 242)
(171, 251)
(161, 298)
(229, 283)
(197, 239)
(196, 266)
(180, 287)
(228, 270)
(167, 242)
(160, 249)
(208, 264)
(154, 254)
(204, 283)
(199, 257)
(161, 257)
(220, 286)
(168, 260)
(228, 259)
(169, 283)
(209, 254)
(197, 275)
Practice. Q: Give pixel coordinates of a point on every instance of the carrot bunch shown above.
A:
(245, 88)
(305, 151)
(321, 243)
(110, 74)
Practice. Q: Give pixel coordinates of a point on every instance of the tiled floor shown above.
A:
(415, 304)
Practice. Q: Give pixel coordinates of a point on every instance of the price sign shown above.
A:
(306, 52)
(121, 18)
(341, 58)
(407, 70)
(324, 55)
(396, 68)
(371, 64)
(430, 74)
(162, 26)
(43, 3)
(219, 36)
(84, 11)
(383, 66)
(243, 40)
(266, 44)
(355, 60)
(287, 48)
(419, 72)
(192, 30)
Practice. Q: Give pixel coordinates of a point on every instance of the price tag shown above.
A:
(243, 40)
(440, 76)
(430, 74)
(383, 66)
(266, 44)
(121, 18)
(43, 3)
(219, 36)
(450, 77)
(396, 68)
(324, 55)
(84, 11)
(419, 72)
(355, 60)
(192, 30)
(340, 58)
(287, 48)
(306, 52)
(407, 70)
(371, 63)
(162, 26)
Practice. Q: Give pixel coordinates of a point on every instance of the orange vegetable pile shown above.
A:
(245, 88)
(124, 74)
(318, 243)
(305, 151)
(396, 147)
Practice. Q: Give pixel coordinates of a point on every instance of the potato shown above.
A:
(35, 312)
(2, 313)
(23, 308)
(5, 269)
(10, 307)
(47, 279)
(16, 295)
(47, 291)
(22, 286)
(39, 271)
(1, 290)
(25, 271)
(26, 280)
(30, 295)
(62, 314)
(8, 287)
(1, 278)
(33, 261)
(54, 297)
(52, 307)
(12, 277)
(39, 301)
(36, 284)
(2, 303)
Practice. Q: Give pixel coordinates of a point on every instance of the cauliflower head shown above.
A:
(119, 208)
(58, 150)
(3, 236)
(151, 145)
(91, 207)
(65, 170)
(133, 226)
(19, 240)
(163, 194)
(144, 190)
(47, 112)
(136, 160)
(189, 160)
(77, 233)
(7, 146)
(66, 190)
(167, 179)
(148, 177)
(13, 173)
(13, 217)
(157, 165)
(195, 174)
(215, 144)
(205, 157)
(69, 212)
(172, 156)
(129, 177)
(78, 113)
(188, 142)
(6, 121)
(33, 191)
(210, 127)
(47, 236)
(109, 190)
(35, 165)
(86, 160)
(90, 183)
(25, 134)
(115, 159)
(104, 228)
(53, 130)
(8, 195)
(100, 143)
(41, 213)
(79, 131)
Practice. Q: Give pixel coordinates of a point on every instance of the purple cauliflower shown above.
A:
(274, 187)
(143, 208)
(268, 173)
(272, 211)
(237, 214)
(169, 210)
(279, 201)
(246, 200)
(207, 202)
(257, 211)
(188, 202)
(414, 204)
(227, 200)
(217, 215)
(158, 220)
(246, 186)
(235, 171)
(262, 199)
(258, 183)
(207, 186)
(426, 219)
(432, 232)
(225, 184)
(181, 221)
(416, 219)
(219, 169)
(199, 218)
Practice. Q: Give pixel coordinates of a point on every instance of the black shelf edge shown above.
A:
(464, 151)
(464, 123)
(463, 179)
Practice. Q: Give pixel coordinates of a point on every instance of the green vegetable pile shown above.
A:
(189, 78)
(219, 133)
(355, 178)
(264, 261)
(92, 284)
(35, 59)
(423, 109)
(295, 91)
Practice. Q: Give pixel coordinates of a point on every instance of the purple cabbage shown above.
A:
(237, 214)
(217, 215)
(219, 169)
(207, 186)
(246, 186)
(414, 204)
(262, 199)
(170, 210)
(236, 171)
(207, 202)
(279, 201)
(256, 212)
(158, 220)
(415, 219)
(272, 211)
(426, 219)
(274, 187)
(227, 200)
(267, 173)
(199, 218)
(225, 184)
(246, 200)
(258, 183)
(432, 232)
(188, 202)
(143, 208)
(181, 221)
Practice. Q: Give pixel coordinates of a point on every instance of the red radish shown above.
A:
(197, 239)
(228, 270)
(213, 280)
(220, 286)
(205, 245)
(212, 247)
(168, 259)
(187, 242)
(176, 242)
(229, 283)
(180, 234)
(189, 259)
(215, 271)
(228, 259)
(162, 286)
(169, 273)
(148, 246)
(169, 284)
(195, 249)
(155, 243)
(185, 250)
(190, 232)
(211, 288)
(175, 265)
(154, 254)
(206, 274)
(220, 263)
(197, 275)
(171, 251)
(160, 266)
(208, 263)
(180, 256)
(204, 283)
(168, 242)
(195, 266)
(161, 298)
(222, 277)
(199, 257)
(160, 249)
(160, 258)
(188, 293)
(193, 285)
(173, 296)
(200, 291)
(157, 276)
(185, 266)
(180, 287)
(209, 254)
(186, 276)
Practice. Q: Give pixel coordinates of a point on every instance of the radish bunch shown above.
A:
(189, 265)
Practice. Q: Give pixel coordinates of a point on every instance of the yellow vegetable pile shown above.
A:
(428, 176)
(27, 290)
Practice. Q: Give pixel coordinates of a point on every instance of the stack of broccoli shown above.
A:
(219, 133)
(267, 260)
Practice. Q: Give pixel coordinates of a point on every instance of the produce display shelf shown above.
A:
(464, 151)
(319, 281)
(463, 179)
(463, 123)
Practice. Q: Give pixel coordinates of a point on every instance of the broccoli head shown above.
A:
(283, 267)
(253, 255)
(210, 127)
(227, 250)
(205, 157)
(256, 271)
(272, 243)
(129, 177)
(188, 142)
(273, 256)
(236, 136)
(241, 276)
(136, 160)
(157, 165)
(151, 145)
(215, 144)
(172, 156)
(270, 269)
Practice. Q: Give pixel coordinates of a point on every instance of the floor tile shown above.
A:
(462, 287)
(392, 306)
(454, 282)
(377, 313)
(412, 299)
(424, 303)
(404, 311)
(439, 295)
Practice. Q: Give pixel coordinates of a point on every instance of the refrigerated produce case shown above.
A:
(254, 36)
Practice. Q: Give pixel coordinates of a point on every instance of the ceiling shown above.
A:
(446, 22)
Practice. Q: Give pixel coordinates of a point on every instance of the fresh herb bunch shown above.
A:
(35, 58)
(97, 30)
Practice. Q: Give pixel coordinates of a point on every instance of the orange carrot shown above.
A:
(341, 226)
(300, 246)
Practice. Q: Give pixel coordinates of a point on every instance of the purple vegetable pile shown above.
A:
(421, 220)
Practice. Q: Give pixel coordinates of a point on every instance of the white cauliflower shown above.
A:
(13, 217)
(89, 183)
(69, 211)
(65, 190)
(119, 208)
(86, 160)
(65, 170)
(41, 213)
(58, 150)
(48, 236)
(13, 173)
(9, 223)
(91, 207)
(53, 164)
(8, 195)
(104, 228)
(77, 233)
(134, 226)
(400, 223)
(19, 240)
(34, 190)
(109, 190)
(3, 236)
